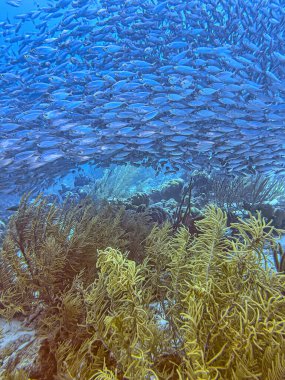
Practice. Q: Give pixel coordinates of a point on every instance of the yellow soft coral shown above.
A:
(200, 307)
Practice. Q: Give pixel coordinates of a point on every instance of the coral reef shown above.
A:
(158, 214)
(279, 217)
(81, 180)
(118, 182)
(186, 214)
(22, 350)
(109, 302)
(139, 199)
(276, 214)
(261, 189)
(236, 195)
(279, 257)
(170, 189)
(248, 193)
(46, 245)
(2, 231)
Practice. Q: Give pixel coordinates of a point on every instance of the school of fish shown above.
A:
(197, 84)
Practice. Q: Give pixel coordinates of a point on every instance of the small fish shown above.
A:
(13, 208)
(14, 3)
(200, 83)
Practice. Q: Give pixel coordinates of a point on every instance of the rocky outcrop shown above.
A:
(22, 349)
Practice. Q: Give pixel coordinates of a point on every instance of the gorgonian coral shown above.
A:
(204, 306)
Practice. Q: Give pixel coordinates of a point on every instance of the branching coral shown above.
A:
(46, 246)
(193, 307)
(227, 192)
(278, 257)
(128, 329)
(229, 300)
(260, 189)
(231, 193)
(183, 216)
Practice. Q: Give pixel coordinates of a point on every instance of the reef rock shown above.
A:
(267, 210)
(158, 214)
(21, 349)
(139, 199)
(81, 180)
(276, 214)
(170, 189)
(279, 218)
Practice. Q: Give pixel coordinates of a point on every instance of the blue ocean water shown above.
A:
(120, 123)
(8, 12)
(172, 87)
